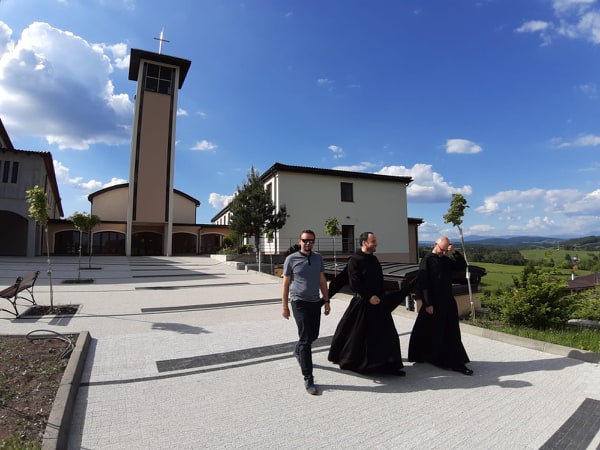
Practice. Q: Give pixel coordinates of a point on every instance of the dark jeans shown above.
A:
(308, 320)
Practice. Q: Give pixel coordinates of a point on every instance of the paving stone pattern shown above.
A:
(190, 353)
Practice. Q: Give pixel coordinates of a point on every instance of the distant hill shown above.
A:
(591, 243)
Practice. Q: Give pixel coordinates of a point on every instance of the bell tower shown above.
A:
(150, 205)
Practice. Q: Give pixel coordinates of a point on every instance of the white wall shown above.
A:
(184, 209)
(379, 206)
(112, 204)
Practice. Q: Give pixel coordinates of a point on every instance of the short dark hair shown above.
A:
(308, 232)
(364, 236)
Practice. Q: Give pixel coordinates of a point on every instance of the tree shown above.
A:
(454, 216)
(85, 222)
(253, 212)
(38, 211)
(332, 228)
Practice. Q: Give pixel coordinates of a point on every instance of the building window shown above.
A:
(270, 190)
(158, 79)
(15, 172)
(347, 192)
(5, 171)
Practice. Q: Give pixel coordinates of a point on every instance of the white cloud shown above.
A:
(325, 83)
(575, 19)
(43, 71)
(477, 229)
(584, 205)
(588, 27)
(205, 146)
(590, 90)
(533, 26)
(489, 207)
(537, 224)
(427, 186)
(219, 201)
(181, 112)
(588, 140)
(462, 146)
(564, 6)
(338, 152)
(564, 202)
(6, 44)
(363, 166)
(63, 176)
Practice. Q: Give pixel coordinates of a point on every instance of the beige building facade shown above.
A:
(359, 201)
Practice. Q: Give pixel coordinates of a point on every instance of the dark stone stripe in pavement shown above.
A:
(579, 430)
(187, 286)
(267, 301)
(186, 274)
(192, 372)
(233, 356)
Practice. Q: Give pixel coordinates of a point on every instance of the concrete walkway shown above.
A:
(189, 353)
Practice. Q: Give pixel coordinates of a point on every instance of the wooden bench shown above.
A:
(22, 289)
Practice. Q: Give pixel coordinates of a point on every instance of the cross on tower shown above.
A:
(161, 40)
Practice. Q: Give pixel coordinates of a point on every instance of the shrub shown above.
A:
(536, 301)
(587, 305)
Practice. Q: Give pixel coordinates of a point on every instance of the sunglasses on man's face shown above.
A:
(308, 241)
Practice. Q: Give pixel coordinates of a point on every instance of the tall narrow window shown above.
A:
(269, 189)
(347, 192)
(5, 171)
(15, 172)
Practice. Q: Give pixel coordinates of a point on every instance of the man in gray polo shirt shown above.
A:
(303, 277)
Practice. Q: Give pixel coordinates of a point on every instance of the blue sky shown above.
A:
(498, 100)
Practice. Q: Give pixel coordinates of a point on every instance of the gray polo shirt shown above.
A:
(305, 273)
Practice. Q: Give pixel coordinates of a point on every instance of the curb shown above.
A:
(59, 421)
(547, 347)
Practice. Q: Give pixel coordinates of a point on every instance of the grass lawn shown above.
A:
(575, 337)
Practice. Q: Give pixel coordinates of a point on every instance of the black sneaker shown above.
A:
(309, 384)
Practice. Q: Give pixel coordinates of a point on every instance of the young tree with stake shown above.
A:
(332, 228)
(454, 216)
(38, 211)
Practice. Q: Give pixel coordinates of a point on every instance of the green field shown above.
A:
(557, 255)
(500, 276)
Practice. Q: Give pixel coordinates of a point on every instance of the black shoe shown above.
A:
(464, 369)
(309, 384)
(399, 373)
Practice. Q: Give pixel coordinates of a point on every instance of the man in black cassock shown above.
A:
(366, 339)
(435, 337)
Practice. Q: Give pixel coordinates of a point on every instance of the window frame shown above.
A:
(347, 192)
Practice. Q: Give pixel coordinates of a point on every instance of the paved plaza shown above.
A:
(189, 353)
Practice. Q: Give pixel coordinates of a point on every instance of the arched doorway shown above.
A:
(13, 234)
(184, 243)
(146, 243)
(66, 242)
(108, 243)
(211, 243)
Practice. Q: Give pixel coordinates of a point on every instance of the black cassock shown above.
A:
(366, 339)
(435, 338)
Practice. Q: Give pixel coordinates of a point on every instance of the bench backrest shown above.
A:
(27, 281)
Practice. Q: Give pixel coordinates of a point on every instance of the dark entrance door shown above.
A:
(348, 238)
